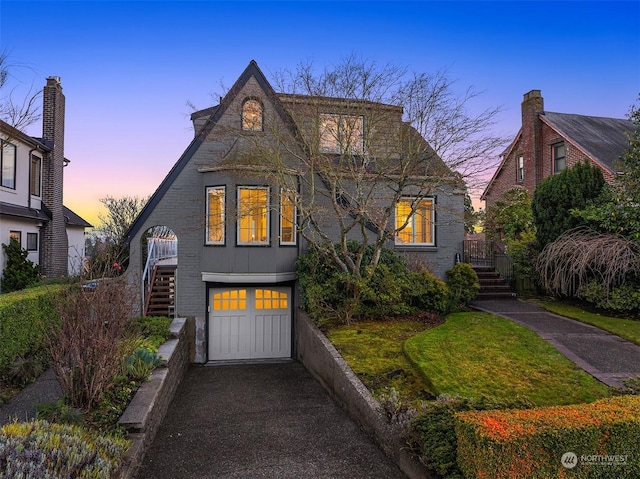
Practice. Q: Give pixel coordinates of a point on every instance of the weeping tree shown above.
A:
(567, 265)
(600, 262)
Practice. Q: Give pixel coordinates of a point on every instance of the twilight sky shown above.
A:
(128, 69)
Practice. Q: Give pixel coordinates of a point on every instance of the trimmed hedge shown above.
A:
(24, 316)
(597, 440)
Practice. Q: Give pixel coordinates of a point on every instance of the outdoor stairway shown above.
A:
(160, 301)
(492, 285)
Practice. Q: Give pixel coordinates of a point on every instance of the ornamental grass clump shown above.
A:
(42, 450)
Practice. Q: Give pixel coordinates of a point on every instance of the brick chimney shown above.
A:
(55, 248)
(532, 106)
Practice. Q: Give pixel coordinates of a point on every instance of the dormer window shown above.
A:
(341, 134)
(252, 114)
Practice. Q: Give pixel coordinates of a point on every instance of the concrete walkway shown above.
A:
(45, 389)
(605, 356)
(259, 420)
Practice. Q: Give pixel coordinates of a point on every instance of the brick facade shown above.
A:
(534, 144)
(54, 241)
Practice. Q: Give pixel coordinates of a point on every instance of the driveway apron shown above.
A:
(269, 420)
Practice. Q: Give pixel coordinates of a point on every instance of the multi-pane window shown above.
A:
(252, 115)
(215, 215)
(233, 300)
(287, 218)
(8, 165)
(521, 168)
(253, 215)
(341, 134)
(270, 299)
(559, 153)
(414, 221)
(32, 241)
(36, 176)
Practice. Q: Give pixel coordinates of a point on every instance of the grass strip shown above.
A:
(628, 329)
(478, 354)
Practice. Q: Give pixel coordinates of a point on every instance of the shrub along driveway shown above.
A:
(259, 420)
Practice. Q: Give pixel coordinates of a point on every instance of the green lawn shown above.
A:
(472, 354)
(374, 350)
(476, 354)
(625, 328)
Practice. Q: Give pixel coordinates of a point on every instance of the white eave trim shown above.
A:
(246, 278)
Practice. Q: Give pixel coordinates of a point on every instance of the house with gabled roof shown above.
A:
(31, 192)
(548, 142)
(237, 221)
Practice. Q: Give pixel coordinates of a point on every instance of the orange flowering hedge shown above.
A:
(596, 440)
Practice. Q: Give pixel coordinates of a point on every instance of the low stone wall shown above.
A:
(321, 358)
(149, 405)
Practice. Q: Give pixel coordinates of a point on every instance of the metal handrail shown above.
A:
(490, 254)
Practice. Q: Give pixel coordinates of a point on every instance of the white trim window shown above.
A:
(341, 134)
(35, 182)
(520, 169)
(253, 215)
(8, 165)
(559, 154)
(215, 215)
(288, 214)
(414, 222)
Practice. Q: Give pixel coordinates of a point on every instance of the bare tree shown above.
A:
(22, 112)
(121, 212)
(394, 136)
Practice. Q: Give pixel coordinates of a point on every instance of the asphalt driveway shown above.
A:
(260, 420)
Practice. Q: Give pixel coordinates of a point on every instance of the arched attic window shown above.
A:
(252, 114)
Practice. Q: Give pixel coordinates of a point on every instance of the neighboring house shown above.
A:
(31, 182)
(549, 142)
(237, 229)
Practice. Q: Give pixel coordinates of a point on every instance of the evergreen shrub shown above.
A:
(20, 272)
(25, 317)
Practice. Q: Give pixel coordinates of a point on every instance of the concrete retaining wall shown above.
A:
(149, 405)
(321, 358)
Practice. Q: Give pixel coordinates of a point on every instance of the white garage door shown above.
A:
(249, 323)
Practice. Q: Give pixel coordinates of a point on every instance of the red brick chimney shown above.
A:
(532, 106)
(55, 248)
